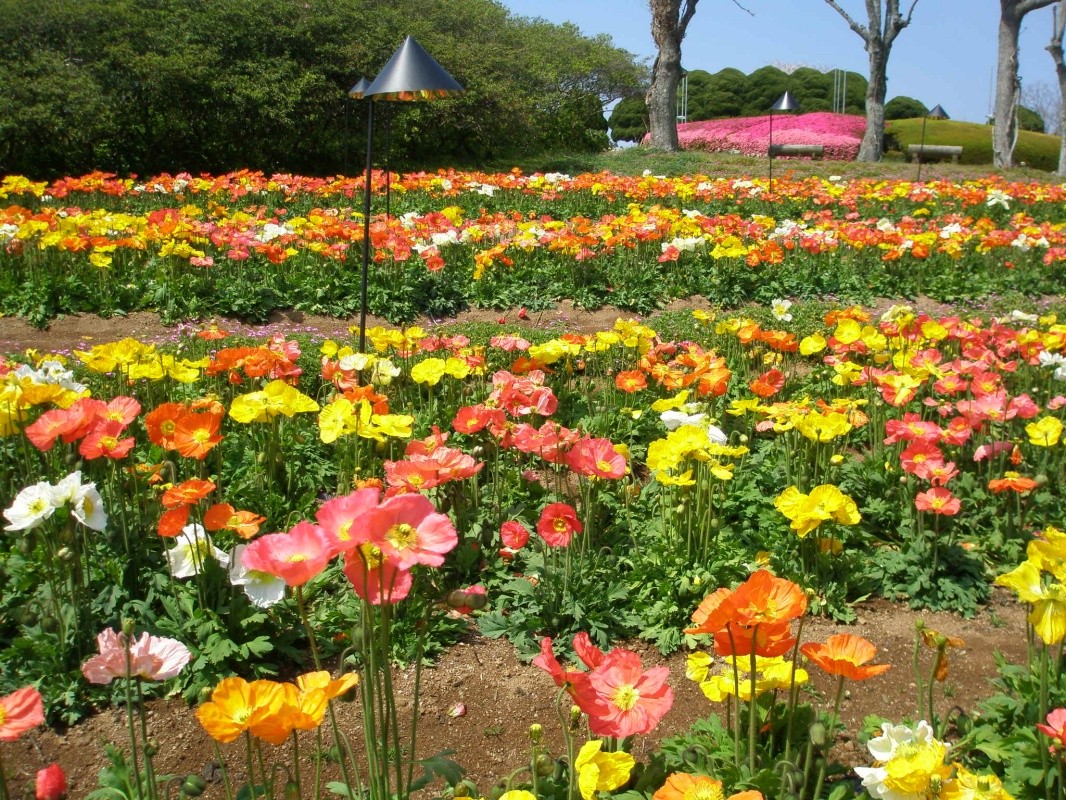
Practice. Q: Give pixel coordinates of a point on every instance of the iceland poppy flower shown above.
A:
(939, 501)
(237, 706)
(845, 655)
(558, 523)
(514, 534)
(621, 698)
(295, 556)
(376, 579)
(409, 530)
(20, 711)
(153, 658)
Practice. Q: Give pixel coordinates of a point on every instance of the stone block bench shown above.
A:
(934, 152)
(812, 150)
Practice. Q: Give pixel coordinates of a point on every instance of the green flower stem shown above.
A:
(793, 691)
(225, 772)
(752, 703)
(129, 720)
(295, 774)
(149, 767)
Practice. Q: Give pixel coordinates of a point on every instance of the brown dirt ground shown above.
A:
(500, 696)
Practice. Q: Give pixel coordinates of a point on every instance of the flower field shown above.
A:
(264, 526)
(840, 134)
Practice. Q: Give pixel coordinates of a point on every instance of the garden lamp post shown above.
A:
(786, 102)
(410, 74)
(937, 112)
(355, 93)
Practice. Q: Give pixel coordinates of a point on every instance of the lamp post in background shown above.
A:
(410, 74)
(355, 93)
(936, 113)
(787, 103)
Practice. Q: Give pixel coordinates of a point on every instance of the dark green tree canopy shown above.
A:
(904, 107)
(149, 86)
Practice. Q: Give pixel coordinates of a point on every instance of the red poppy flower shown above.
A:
(187, 493)
(558, 523)
(514, 534)
(171, 522)
(105, 440)
(768, 384)
(19, 711)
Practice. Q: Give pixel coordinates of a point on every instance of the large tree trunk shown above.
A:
(873, 141)
(878, 36)
(1058, 29)
(668, 25)
(1005, 128)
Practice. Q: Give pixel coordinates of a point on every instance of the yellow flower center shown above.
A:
(296, 558)
(402, 536)
(603, 466)
(625, 697)
(371, 555)
(108, 443)
(344, 533)
(704, 790)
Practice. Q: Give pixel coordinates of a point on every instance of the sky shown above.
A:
(946, 56)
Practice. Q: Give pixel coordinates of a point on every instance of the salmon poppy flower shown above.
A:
(564, 679)
(295, 556)
(187, 493)
(558, 523)
(596, 458)
(237, 706)
(374, 578)
(20, 711)
(621, 698)
(105, 440)
(51, 783)
(939, 501)
(409, 530)
(121, 409)
(47, 428)
(845, 655)
(1055, 727)
(224, 517)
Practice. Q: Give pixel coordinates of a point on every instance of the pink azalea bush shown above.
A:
(840, 134)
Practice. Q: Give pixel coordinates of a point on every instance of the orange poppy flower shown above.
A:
(766, 599)
(684, 786)
(195, 435)
(172, 521)
(768, 384)
(845, 655)
(187, 493)
(161, 423)
(1012, 481)
(224, 517)
(630, 381)
(331, 687)
(237, 706)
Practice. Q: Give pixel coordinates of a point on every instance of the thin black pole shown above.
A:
(388, 150)
(347, 131)
(366, 222)
(921, 149)
(770, 151)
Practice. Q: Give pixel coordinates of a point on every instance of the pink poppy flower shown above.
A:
(596, 458)
(1055, 727)
(47, 428)
(564, 679)
(409, 530)
(337, 519)
(558, 523)
(295, 557)
(152, 658)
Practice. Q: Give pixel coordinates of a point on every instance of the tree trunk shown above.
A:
(1005, 130)
(1008, 88)
(1058, 29)
(873, 141)
(661, 98)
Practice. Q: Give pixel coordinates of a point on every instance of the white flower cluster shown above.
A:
(50, 372)
(691, 414)
(39, 502)
(895, 741)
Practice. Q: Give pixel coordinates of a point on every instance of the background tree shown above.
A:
(904, 107)
(1058, 28)
(1008, 87)
(214, 85)
(879, 34)
(669, 24)
(1044, 98)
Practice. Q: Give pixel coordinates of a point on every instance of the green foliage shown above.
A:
(1029, 120)
(179, 85)
(904, 107)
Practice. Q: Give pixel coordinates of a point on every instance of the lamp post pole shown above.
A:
(937, 112)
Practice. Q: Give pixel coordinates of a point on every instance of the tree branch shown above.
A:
(1023, 7)
(686, 16)
(859, 29)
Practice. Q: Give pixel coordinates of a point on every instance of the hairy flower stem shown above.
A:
(752, 703)
(129, 720)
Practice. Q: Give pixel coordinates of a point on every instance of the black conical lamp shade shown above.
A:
(937, 112)
(412, 74)
(357, 91)
(786, 102)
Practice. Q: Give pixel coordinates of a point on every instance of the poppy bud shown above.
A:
(128, 627)
(817, 734)
(193, 786)
(536, 733)
(544, 765)
(51, 783)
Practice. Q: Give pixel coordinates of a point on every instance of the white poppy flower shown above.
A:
(88, 507)
(674, 419)
(262, 588)
(191, 549)
(31, 507)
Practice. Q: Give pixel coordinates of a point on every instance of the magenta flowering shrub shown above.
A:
(840, 134)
